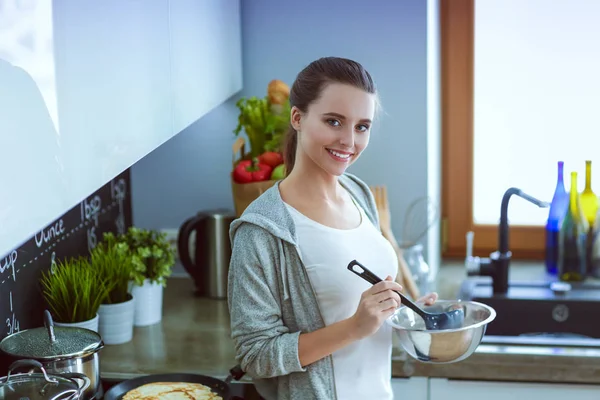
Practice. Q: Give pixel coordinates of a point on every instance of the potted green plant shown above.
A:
(153, 258)
(109, 258)
(73, 292)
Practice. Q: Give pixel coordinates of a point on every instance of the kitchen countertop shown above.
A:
(194, 337)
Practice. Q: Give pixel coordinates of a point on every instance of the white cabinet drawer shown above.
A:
(415, 388)
(445, 389)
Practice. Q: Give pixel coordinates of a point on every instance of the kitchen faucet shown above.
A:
(496, 266)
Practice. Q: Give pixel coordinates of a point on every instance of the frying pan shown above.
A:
(218, 386)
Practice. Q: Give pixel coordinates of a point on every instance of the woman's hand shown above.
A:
(428, 299)
(376, 304)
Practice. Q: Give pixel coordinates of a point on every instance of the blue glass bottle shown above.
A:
(558, 209)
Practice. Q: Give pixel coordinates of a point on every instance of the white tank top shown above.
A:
(362, 369)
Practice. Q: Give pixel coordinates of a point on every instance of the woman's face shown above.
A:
(336, 128)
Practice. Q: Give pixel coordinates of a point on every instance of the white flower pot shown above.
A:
(148, 304)
(116, 322)
(91, 324)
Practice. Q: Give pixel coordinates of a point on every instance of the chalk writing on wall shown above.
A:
(75, 233)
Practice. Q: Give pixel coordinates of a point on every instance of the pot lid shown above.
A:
(51, 342)
(35, 386)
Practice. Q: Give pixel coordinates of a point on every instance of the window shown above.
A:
(520, 91)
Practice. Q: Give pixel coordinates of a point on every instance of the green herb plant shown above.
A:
(110, 260)
(265, 125)
(150, 253)
(73, 290)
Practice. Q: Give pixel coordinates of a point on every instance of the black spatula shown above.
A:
(433, 321)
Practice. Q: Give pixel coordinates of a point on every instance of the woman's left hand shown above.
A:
(428, 299)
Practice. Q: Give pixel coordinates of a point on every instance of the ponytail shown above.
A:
(289, 154)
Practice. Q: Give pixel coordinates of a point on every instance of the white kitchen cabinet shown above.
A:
(448, 389)
(100, 85)
(415, 388)
(206, 56)
(113, 88)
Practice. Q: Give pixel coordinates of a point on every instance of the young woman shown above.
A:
(305, 327)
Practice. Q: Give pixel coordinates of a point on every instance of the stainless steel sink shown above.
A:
(540, 312)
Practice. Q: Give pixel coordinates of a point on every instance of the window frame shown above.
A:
(457, 46)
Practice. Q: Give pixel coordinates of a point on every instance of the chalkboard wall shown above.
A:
(73, 234)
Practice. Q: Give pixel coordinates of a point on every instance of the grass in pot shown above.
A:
(116, 312)
(152, 258)
(73, 292)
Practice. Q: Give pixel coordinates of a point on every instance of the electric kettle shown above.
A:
(210, 264)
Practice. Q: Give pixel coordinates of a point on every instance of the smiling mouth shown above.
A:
(341, 156)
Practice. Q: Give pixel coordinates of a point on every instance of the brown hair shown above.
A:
(309, 85)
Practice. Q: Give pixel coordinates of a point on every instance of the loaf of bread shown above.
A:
(278, 92)
(172, 391)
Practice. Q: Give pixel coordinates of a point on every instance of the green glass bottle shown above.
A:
(595, 249)
(572, 260)
(589, 206)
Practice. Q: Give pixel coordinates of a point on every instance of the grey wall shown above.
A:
(390, 38)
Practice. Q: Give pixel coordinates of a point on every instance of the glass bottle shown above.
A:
(572, 239)
(595, 248)
(589, 200)
(589, 205)
(558, 208)
(418, 267)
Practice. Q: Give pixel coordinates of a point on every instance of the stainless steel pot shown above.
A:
(34, 386)
(60, 350)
